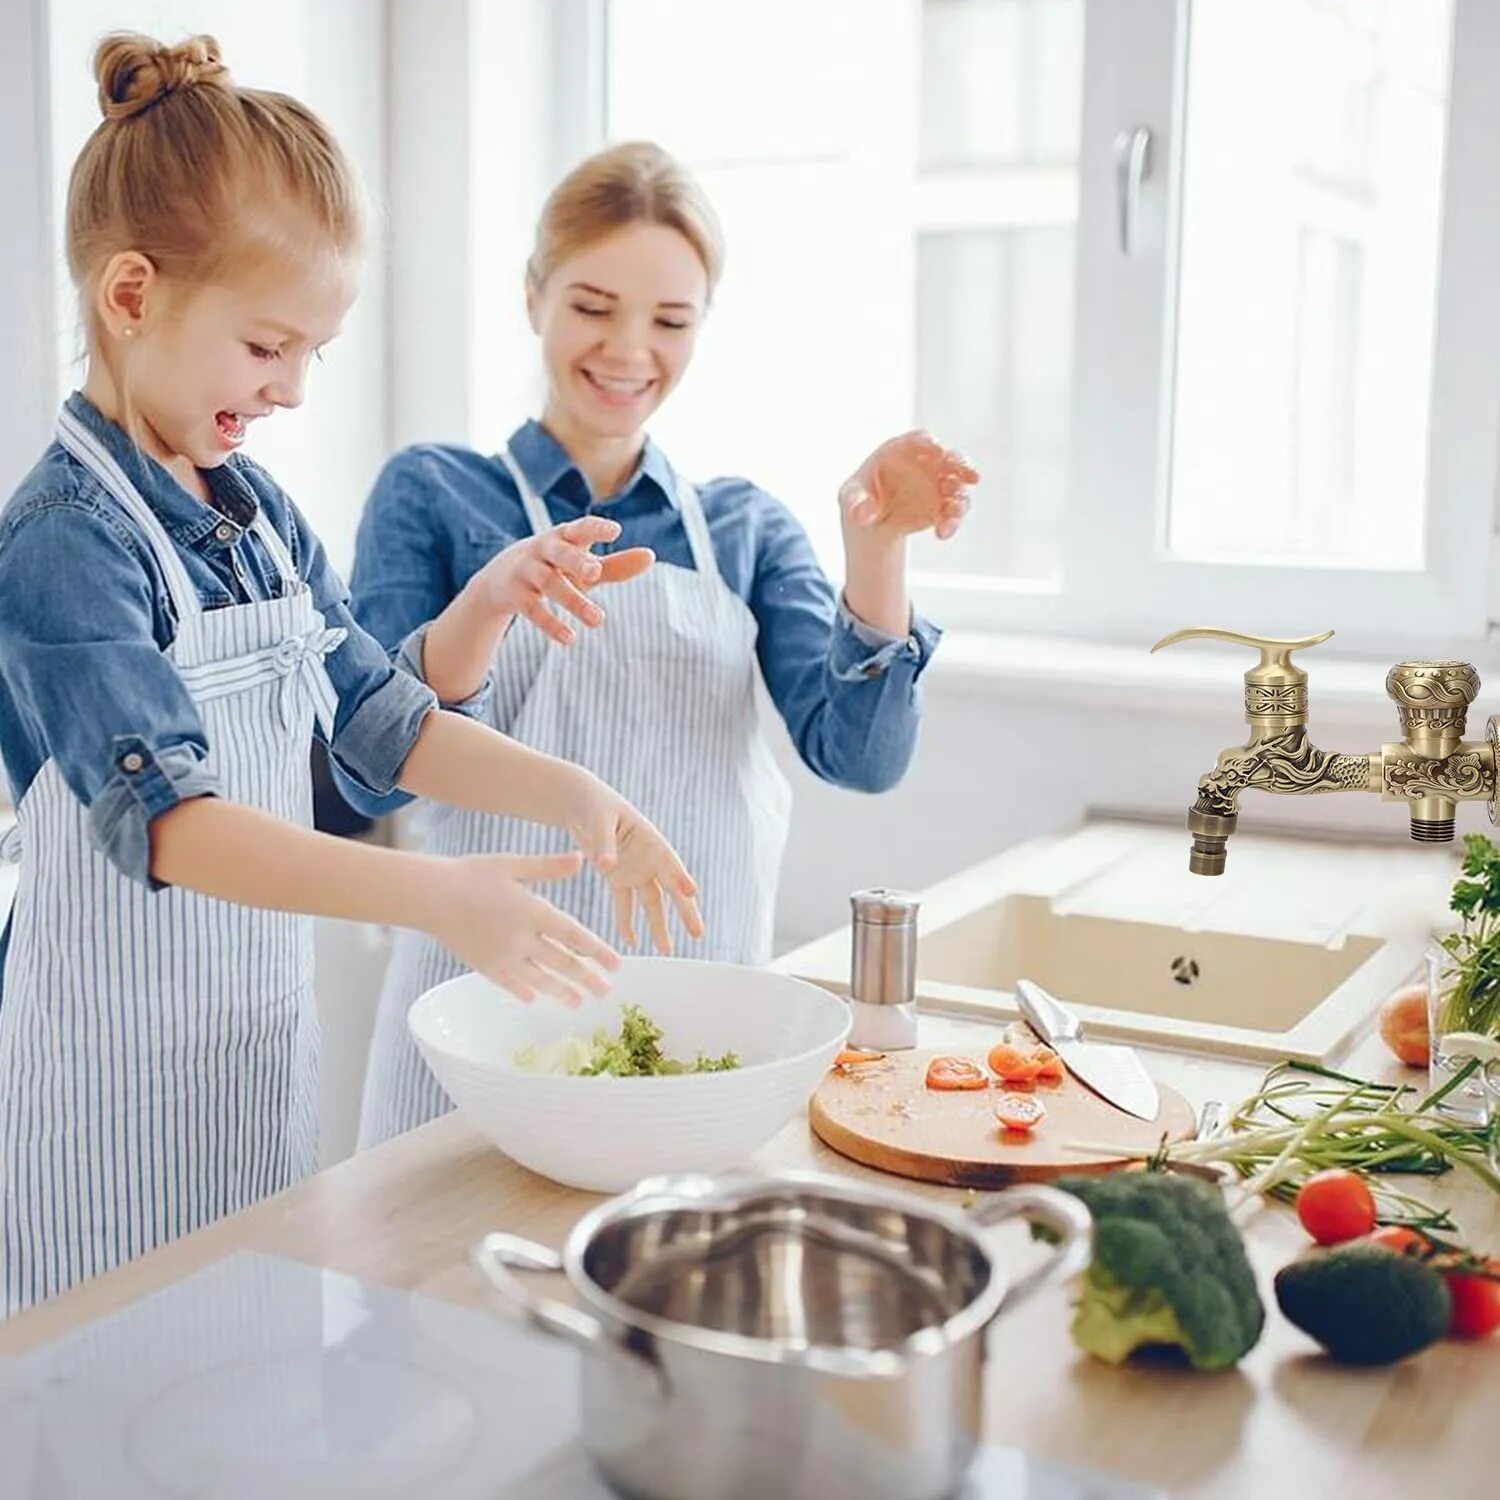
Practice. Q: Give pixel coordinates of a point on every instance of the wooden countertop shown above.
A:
(1285, 1422)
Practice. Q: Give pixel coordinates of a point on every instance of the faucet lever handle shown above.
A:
(1275, 668)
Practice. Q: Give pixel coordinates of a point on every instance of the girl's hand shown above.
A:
(557, 565)
(908, 484)
(484, 914)
(639, 864)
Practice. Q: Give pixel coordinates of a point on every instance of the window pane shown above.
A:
(994, 344)
(1308, 262)
(1001, 81)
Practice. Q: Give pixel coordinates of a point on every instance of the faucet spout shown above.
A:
(1211, 831)
(1284, 764)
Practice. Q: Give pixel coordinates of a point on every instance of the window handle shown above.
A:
(1132, 168)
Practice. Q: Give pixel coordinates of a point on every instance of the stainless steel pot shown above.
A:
(783, 1337)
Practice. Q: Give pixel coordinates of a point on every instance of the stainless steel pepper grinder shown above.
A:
(883, 970)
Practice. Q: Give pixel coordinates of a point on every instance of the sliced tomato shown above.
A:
(1019, 1111)
(1013, 1065)
(856, 1057)
(1051, 1070)
(956, 1073)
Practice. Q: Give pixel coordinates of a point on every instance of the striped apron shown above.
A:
(660, 703)
(159, 1051)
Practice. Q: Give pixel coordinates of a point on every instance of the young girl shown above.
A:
(455, 545)
(171, 638)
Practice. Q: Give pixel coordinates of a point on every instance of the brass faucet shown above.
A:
(1431, 770)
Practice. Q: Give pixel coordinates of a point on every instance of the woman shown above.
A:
(704, 583)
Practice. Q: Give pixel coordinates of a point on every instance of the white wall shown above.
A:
(29, 396)
(331, 54)
(478, 135)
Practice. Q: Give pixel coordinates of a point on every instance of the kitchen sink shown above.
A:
(1220, 978)
(1288, 955)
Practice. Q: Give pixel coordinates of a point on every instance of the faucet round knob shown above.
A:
(1434, 698)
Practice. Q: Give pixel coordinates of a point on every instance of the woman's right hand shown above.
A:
(558, 566)
(484, 914)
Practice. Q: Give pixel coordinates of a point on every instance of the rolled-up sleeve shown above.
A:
(409, 660)
(83, 666)
(848, 693)
(861, 651)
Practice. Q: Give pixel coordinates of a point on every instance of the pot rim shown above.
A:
(681, 1190)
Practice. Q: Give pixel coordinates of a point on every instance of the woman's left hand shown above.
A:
(909, 484)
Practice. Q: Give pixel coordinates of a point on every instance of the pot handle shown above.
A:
(1060, 1212)
(499, 1256)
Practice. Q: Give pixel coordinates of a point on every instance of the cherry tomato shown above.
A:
(1335, 1206)
(1402, 1240)
(956, 1073)
(1012, 1065)
(1019, 1111)
(1476, 1304)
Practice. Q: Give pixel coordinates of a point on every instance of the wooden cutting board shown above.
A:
(884, 1116)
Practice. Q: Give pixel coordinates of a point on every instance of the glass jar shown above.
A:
(1470, 1102)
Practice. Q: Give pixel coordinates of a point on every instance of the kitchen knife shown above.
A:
(1113, 1072)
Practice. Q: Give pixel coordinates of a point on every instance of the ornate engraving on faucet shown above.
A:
(1287, 763)
(1433, 697)
(1433, 684)
(1275, 702)
(1433, 721)
(1431, 771)
(1460, 776)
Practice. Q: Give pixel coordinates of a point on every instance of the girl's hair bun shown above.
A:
(136, 72)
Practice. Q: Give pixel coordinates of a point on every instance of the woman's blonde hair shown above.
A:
(200, 176)
(633, 183)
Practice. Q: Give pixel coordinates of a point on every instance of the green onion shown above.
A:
(1305, 1119)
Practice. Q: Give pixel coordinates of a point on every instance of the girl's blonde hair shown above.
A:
(633, 183)
(199, 175)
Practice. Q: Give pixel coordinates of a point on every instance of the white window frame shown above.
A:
(1124, 576)
(1118, 580)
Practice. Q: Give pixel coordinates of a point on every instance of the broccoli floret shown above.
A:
(1168, 1269)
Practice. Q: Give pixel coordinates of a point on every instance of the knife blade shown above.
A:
(1112, 1071)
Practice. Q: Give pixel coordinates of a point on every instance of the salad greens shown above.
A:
(634, 1053)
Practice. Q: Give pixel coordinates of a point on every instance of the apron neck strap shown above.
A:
(271, 539)
(695, 523)
(536, 512)
(97, 459)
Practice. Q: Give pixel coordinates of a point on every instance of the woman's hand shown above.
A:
(908, 484)
(557, 567)
(483, 913)
(639, 864)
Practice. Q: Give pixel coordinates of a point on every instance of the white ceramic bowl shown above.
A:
(605, 1134)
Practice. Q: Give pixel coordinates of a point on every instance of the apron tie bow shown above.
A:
(299, 660)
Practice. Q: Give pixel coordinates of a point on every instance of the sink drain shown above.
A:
(1185, 970)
